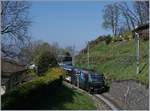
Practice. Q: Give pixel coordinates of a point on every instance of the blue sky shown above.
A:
(67, 23)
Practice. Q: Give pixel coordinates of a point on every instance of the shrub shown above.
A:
(127, 36)
(116, 39)
(28, 91)
(108, 39)
(145, 38)
(45, 61)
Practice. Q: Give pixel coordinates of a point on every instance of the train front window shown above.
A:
(96, 78)
(67, 59)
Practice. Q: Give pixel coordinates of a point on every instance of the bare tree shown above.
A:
(55, 48)
(142, 10)
(111, 17)
(130, 17)
(137, 15)
(14, 26)
(31, 52)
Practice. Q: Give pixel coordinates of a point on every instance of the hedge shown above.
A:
(23, 93)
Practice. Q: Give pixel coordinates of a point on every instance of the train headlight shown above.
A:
(91, 88)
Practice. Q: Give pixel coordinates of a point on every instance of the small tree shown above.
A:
(45, 61)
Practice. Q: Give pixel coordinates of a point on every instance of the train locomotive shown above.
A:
(88, 80)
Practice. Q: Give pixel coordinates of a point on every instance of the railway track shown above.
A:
(109, 103)
(97, 97)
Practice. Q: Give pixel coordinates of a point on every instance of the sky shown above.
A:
(67, 23)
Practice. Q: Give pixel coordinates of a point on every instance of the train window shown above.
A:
(82, 76)
(67, 59)
(96, 77)
(86, 77)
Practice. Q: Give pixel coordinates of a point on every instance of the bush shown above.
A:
(127, 36)
(24, 94)
(145, 38)
(116, 39)
(45, 61)
(108, 39)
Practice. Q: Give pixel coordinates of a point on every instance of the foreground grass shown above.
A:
(46, 92)
(118, 60)
(80, 102)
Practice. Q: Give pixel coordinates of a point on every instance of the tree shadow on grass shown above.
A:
(52, 96)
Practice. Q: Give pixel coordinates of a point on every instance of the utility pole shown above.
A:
(88, 54)
(73, 55)
(138, 53)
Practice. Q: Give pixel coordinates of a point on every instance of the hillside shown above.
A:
(117, 60)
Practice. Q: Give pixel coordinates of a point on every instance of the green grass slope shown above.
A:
(118, 60)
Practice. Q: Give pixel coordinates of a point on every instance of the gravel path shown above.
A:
(129, 95)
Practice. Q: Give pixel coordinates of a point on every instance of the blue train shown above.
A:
(86, 79)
